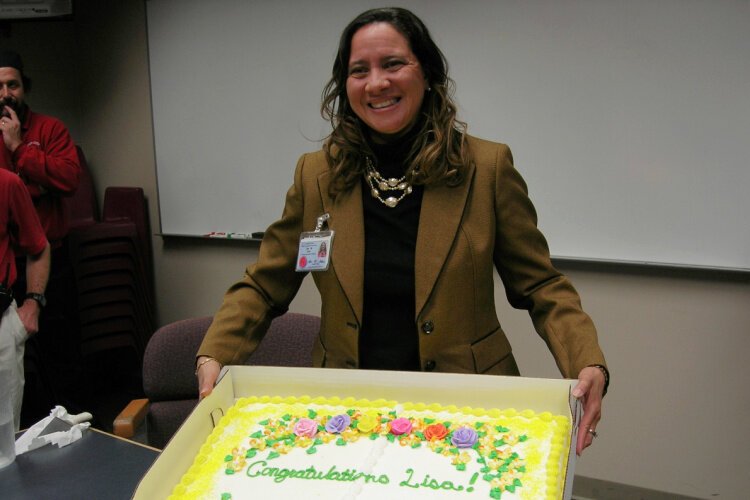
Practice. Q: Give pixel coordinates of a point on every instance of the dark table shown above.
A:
(99, 465)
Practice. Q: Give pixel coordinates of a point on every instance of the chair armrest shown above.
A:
(126, 423)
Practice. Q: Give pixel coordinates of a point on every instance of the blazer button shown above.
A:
(427, 327)
(429, 365)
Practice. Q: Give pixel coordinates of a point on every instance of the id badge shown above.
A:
(315, 248)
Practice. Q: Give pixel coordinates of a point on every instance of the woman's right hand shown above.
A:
(208, 370)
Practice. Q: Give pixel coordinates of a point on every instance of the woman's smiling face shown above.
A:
(385, 84)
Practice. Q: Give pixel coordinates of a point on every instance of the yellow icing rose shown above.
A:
(367, 423)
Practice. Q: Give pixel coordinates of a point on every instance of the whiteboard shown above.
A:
(630, 121)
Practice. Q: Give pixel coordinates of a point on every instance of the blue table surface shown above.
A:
(99, 465)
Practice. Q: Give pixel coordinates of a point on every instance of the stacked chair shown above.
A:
(89, 351)
(111, 260)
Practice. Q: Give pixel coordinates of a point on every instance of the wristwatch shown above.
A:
(39, 297)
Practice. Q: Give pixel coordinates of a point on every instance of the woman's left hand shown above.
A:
(589, 390)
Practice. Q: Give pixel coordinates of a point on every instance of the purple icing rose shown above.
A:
(306, 427)
(464, 437)
(339, 423)
(400, 426)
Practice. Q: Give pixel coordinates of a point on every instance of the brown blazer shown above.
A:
(487, 221)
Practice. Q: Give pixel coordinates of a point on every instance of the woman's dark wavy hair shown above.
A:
(440, 153)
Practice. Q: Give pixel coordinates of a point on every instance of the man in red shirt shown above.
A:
(36, 147)
(40, 151)
(19, 229)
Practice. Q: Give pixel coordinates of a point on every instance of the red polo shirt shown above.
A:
(47, 161)
(18, 223)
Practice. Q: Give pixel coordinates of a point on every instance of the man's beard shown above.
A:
(12, 102)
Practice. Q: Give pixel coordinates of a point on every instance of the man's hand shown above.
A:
(10, 126)
(29, 315)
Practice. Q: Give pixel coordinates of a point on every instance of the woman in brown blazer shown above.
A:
(422, 213)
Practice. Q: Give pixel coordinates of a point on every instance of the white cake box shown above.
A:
(480, 391)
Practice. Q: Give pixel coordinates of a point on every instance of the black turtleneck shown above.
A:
(389, 339)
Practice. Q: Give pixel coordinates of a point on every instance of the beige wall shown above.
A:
(676, 416)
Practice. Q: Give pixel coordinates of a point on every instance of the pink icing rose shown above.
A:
(400, 426)
(339, 423)
(306, 428)
(464, 437)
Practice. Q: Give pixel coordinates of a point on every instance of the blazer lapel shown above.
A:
(439, 219)
(348, 255)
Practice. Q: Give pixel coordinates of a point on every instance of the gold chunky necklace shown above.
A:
(379, 183)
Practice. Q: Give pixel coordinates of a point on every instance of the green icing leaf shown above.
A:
(429, 420)
(312, 450)
(350, 412)
(420, 435)
(229, 472)
(500, 428)
(493, 454)
(460, 466)
(228, 458)
(521, 468)
(484, 469)
(311, 413)
(273, 454)
(502, 468)
(373, 437)
(391, 438)
(478, 425)
(495, 493)
(264, 422)
(510, 488)
(439, 449)
(416, 445)
(498, 443)
(286, 417)
(256, 435)
(226, 496)
(517, 482)
(523, 438)
(340, 442)
(251, 453)
(488, 477)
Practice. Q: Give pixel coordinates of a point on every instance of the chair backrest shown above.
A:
(82, 207)
(169, 380)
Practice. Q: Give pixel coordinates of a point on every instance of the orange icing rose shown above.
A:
(435, 432)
